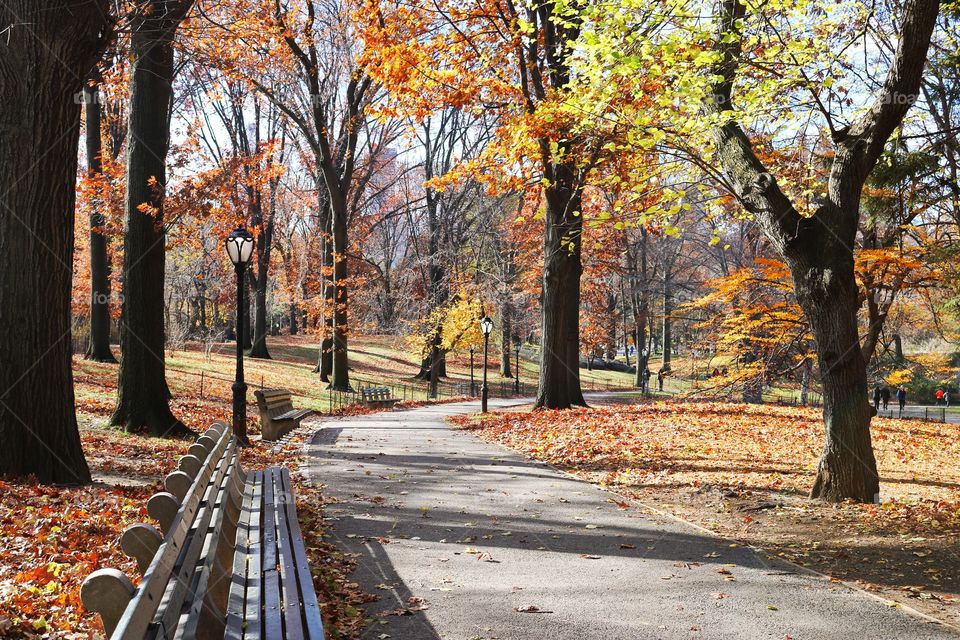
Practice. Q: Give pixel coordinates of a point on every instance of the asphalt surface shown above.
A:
(923, 412)
(464, 540)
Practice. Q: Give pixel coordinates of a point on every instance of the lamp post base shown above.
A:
(484, 393)
(240, 413)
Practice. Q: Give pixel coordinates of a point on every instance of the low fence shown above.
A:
(926, 414)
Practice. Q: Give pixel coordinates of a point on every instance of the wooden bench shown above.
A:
(228, 561)
(277, 415)
(378, 397)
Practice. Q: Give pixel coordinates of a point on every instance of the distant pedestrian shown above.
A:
(946, 397)
(939, 396)
(901, 397)
(716, 373)
(885, 397)
(646, 380)
(660, 379)
(876, 397)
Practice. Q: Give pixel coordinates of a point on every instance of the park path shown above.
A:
(476, 534)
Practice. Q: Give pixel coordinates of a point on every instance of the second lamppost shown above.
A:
(240, 250)
(486, 326)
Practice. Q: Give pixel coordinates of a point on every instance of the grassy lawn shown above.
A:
(200, 379)
(743, 471)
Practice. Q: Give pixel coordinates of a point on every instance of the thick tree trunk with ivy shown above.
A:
(143, 396)
(47, 48)
(98, 347)
(819, 250)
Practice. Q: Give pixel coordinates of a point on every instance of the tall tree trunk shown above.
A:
(340, 376)
(247, 309)
(325, 354)
(559, 386)
(640, 342)
(98, 347)
(641, 304)
(259, 348)
(898, 348)
(41, 67)
(506, 338)
(294, 318)
(667, 333)
(827, 291)
(143, 396)
(819, 250)
(805, 381)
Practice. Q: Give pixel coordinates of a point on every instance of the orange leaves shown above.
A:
(53, 538)
(746, 447)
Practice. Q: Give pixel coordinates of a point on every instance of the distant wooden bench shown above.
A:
(378, 397)
(229, 560)
(277, 415)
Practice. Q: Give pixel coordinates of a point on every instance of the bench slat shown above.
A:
(292, 604)
(238, 587)
(254, 596)
(308, 596)
(294, 414)
(272, 625)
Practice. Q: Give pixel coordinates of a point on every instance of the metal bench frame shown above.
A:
(230, 561)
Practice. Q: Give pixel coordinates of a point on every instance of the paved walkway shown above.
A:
(498, 547)
(924, 412)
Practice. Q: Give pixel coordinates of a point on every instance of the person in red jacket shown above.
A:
(939, 395)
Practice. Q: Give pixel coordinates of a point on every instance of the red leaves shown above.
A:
(53, 538)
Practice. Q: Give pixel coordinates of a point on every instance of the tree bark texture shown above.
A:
(559, 386)
(819, 250)
(46, 50)
(143, 394)
(98, 347)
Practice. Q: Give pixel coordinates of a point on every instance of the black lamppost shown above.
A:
(473, 387)
(240, 250)
(516, 378)
(486, 326)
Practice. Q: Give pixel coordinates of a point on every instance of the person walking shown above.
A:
(885, 397)
(901, 397)
(939, 396)
(876, 397)
(660, 379)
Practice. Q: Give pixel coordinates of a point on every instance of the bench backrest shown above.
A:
(198, 515)
(274, 402)
(376, 393)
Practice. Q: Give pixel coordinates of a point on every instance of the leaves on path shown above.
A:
(743, 471)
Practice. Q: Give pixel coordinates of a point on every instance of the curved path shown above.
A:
(464, 540)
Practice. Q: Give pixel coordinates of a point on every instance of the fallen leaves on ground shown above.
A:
(743, 471)
(54, 537)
